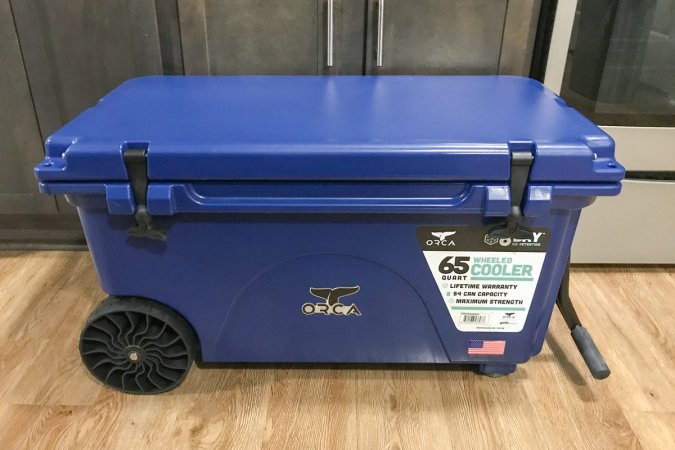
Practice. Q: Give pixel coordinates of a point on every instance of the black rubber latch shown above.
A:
(521, 163)
(136, 163)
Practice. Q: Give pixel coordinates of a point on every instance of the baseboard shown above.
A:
(41, 232)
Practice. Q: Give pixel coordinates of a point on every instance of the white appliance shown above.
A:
(614, 60)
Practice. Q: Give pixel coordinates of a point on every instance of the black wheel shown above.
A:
(137, 345)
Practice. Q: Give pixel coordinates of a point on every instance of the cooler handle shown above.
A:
(174, 198)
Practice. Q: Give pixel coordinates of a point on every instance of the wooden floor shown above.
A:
(47, 399)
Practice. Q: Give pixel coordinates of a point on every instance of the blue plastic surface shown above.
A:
(331, 128)
(270, 185)
(240, 280)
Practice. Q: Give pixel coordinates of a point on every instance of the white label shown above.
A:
(487, 284)
(494, 294)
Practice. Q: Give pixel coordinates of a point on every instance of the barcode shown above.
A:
(474, 318)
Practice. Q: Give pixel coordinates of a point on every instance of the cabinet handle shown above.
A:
(380, 31)
(329, 37)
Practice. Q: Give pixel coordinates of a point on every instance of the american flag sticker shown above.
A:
(480, 347)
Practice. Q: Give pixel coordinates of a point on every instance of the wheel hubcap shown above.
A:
(135, 354)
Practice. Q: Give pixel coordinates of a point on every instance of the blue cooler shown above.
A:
(326, 219)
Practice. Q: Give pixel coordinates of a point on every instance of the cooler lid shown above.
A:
(331, 128)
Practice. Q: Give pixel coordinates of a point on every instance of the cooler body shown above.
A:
(244, 282)
(338, 220)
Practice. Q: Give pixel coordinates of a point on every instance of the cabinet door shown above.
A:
(260, 37)
(439, 37)
(348, 36)
(21, 145)
(76, 51)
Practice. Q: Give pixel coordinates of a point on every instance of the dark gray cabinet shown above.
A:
(433, 37)
(262, 37)
(75, 51)
(20, 141)
(60, 57)
(317, 37)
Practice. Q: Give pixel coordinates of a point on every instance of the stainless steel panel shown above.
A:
(437, 37)
(644, 148)
(75, 51)
(21, 145)
(635, 228)
(560, 43)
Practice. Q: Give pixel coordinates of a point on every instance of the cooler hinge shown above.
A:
(136, 163)
(521, 163)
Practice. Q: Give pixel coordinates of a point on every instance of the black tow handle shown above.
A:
(582, 338)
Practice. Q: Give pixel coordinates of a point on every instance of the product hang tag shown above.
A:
(487, 283)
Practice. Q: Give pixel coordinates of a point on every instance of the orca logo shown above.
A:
(332, 304)
(508, 318)
(441, 238)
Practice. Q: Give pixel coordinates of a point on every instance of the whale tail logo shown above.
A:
(333, 296)
(332, 304)
(443, 235)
